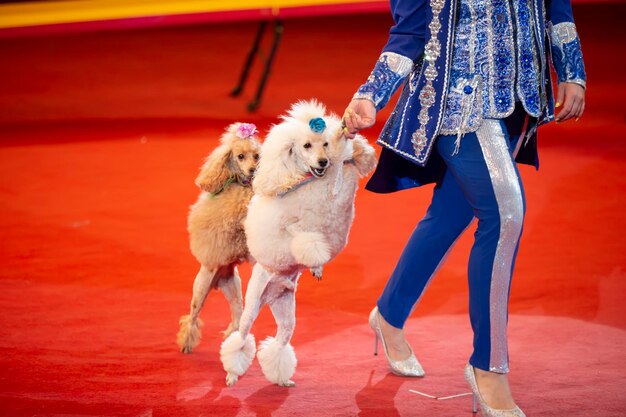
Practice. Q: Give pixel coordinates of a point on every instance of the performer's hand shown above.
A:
(360, 114)
(571, 97)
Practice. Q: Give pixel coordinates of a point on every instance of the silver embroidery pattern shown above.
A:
(527, 65)
(412, 84)
(388, 73)
(508, 193)
(564, 33)
(463, 111)
(500, 57)
(496, 56)
(427, 93)
(567, 55)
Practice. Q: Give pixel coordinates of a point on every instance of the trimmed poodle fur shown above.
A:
(237, 354)
(216, 233)
(298, 218)
(278, 361)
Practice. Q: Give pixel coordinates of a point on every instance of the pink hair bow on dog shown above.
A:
(246, 130)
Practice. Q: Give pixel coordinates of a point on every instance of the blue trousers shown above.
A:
(482, 182)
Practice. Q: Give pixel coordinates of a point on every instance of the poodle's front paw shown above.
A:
(364, 156)
(310, 249)
(289, 383)
(231, 379)
(317, 272)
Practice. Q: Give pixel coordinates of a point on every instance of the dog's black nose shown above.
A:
(252, 171)
(322, 162)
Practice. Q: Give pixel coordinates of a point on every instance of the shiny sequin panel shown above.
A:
(388, 73)
(567, 55)
(510, 201)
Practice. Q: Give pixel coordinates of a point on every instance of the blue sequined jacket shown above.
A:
(441, 95)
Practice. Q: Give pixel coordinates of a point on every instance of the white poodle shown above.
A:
(298, 218)
(215, 224)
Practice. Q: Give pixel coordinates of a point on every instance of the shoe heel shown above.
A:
(474, 407)
(376, 344)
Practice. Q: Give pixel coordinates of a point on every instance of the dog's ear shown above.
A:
(216, 170)
(277, 171)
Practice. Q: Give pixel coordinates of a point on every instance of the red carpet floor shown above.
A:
(101, 136)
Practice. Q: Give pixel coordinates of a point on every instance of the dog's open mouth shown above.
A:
(318, 172)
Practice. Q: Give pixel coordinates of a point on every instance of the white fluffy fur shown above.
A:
(284, 222)
(293, 225)
(236, 354)
(277, 361)
(310, 249)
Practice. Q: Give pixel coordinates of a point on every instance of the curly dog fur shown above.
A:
(298, 218)
(215, 225)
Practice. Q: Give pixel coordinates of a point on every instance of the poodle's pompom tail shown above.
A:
(277, 361)
(236, 355)
(189, 335)
(310, 249)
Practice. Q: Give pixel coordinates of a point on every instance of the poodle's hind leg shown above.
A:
(189, 334)
(276, 355)
(238, 350)
(231, 287)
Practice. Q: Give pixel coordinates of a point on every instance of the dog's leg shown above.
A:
(276, 355)
(238, 349)
(308, 248)
(231, 287)
(189, 334)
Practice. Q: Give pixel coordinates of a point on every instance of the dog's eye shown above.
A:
(240, 156)
(326, 144)
(307, 145)
(256, 156)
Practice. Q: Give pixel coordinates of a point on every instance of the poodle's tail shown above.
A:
(277, 361)
(310, 249)
(236, 355)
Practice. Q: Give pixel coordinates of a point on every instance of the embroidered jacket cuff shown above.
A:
(567, 55)
(389, 72)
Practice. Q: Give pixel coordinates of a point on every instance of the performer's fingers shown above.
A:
(360, 122)
(568, 106)
(582, 110)
(574, 111)
(348, 131)
(560, 95)
(355, 118)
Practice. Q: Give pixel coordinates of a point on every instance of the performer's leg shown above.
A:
(488, 177)
(447, 217)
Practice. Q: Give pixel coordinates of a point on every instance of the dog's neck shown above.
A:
(234, 179)
(308, 177)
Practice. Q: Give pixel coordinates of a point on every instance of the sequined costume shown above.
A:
(476, 85)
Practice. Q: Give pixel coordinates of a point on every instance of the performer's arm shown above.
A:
(404, 46)
(567, 59)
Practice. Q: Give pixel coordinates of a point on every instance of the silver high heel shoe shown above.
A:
(488, 411)
(407, 367)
